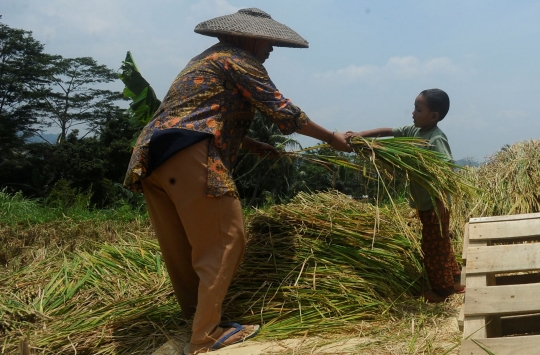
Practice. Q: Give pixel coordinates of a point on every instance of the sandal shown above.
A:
(220, 343)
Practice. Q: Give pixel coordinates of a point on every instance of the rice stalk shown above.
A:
(411, 156)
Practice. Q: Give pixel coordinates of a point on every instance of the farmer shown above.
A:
(183, 160)
(443, 272)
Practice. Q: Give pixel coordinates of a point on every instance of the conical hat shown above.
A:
(253, 23)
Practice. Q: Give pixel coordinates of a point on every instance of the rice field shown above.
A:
(322, 265)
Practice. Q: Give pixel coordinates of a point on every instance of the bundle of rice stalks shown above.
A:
(509, 182)
(406, 155)
(320, 263)
(324, 262)
(116, 300)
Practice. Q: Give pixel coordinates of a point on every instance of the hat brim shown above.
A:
(252, 23)
(278, 42)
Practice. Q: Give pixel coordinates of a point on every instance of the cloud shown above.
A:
(89, 17)
(396, 68)
(212, 8)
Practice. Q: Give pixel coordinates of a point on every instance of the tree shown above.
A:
(259, 179)
(73, 98)
(23, 66)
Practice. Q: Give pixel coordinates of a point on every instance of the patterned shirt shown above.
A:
(216, 94)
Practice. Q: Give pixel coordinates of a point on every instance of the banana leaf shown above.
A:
(144, 101)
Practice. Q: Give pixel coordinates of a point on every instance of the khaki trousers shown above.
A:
(201, 238)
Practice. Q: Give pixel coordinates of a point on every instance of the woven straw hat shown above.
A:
(253, 23)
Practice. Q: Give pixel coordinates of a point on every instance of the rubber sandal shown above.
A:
(237, 328)
(219, 343)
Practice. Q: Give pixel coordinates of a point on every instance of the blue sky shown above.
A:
(367, 60)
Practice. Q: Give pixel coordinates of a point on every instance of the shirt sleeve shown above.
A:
(251, 78)
(405, 131)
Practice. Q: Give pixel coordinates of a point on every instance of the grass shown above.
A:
(313, 266)
(320, 268)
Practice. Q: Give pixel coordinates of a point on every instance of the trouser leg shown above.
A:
(174, 245)
(439, 259)
(214, 228)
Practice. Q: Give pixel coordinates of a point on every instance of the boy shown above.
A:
(430, 107)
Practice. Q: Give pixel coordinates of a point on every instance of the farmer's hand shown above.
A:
(339, 142)
(260, 148)
(265, 150)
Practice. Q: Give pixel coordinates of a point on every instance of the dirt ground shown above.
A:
(433, 337)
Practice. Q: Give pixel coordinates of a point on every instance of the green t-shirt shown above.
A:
(420, 198)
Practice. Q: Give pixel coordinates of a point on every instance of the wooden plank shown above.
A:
(501, 300)
(503, 258)
(505, 230)
(512, 217)
(465, 243)
(517, 279)
(522, 345)
(461, 319)
(463, 275)
(521, 324)
(474, 326)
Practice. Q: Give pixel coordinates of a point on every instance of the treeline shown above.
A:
(40, 92)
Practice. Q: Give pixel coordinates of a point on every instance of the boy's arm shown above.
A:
(377, 132)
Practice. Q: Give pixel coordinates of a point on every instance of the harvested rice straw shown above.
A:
(409, 155)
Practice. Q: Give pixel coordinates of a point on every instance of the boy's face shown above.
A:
(423, 117)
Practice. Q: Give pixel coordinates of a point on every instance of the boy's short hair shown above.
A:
(437, 100)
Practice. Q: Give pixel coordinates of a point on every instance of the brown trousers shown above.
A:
(201, 238)
(439, 260)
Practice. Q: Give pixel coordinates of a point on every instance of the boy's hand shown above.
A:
(351, 134)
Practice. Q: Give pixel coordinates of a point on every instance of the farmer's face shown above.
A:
(263, 49)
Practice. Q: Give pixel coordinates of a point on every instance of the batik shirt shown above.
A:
(216, 95)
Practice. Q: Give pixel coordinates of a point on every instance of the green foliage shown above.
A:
(144, 101)
(16, 209)
(23, 66)
(73, 96)
(63, 196)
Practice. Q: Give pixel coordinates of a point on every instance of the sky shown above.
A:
(366, 62)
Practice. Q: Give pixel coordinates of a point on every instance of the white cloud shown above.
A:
(402, 67)
(90, 17)
(441, 65)
(212, 8)
(396, 68)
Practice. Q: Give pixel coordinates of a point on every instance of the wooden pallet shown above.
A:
(501, 257)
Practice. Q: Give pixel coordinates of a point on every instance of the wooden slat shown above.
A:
(461, 319)
(505, 230)
(465, 243)
(463, 275)
(474, 326)
(501, 300)
(512, 217)
(522, 345)
(503, 258)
